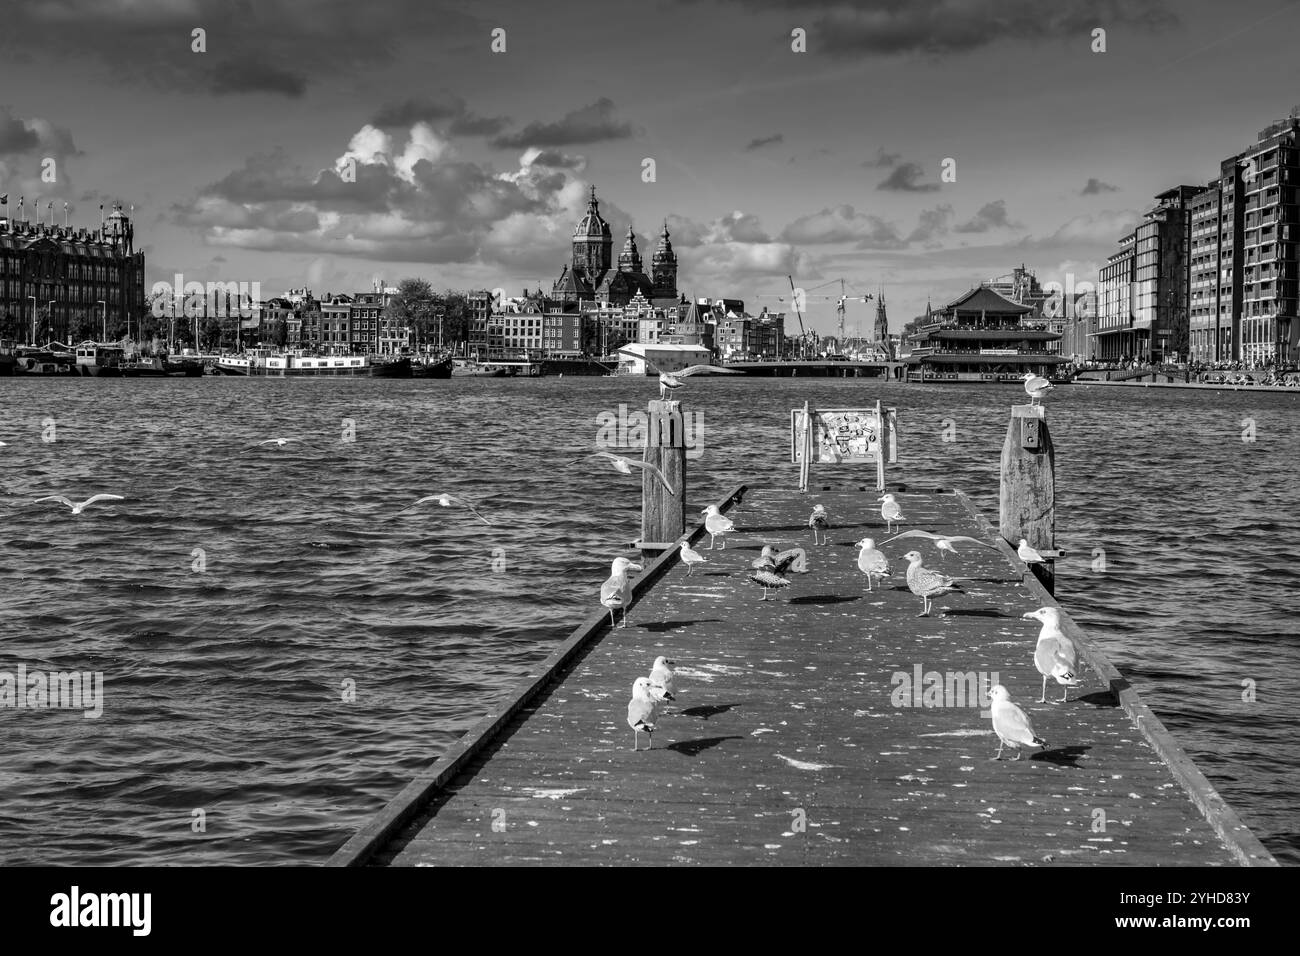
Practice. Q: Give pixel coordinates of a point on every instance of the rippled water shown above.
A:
(223, 688)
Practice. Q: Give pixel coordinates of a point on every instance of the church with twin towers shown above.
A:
(593, 277)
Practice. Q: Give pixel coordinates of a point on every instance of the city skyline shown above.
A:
(823, 164)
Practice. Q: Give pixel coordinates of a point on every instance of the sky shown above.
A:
(472, 165)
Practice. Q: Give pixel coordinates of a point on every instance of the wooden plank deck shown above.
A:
(785, 745)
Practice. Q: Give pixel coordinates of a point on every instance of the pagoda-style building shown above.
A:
(593, 277)
(981, 337)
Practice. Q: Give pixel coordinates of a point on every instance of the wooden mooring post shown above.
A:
(663, 513)
(1028, 489)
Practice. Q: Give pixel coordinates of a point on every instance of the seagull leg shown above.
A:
(1000, 745)
(711, 540)
(636, 740)
(1065, 695)
(1017, 757)
(611, 617)
(1042, 699)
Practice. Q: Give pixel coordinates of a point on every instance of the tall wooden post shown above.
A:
(663, 515)
(1028, 493)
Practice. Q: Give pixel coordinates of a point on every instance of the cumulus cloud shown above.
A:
(906, 177)
(1095, 186)
(931, 225)
(843, 223)
(882, 160)
(991, 215)
(593, 123)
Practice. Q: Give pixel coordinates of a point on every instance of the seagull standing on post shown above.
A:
(1036, 387)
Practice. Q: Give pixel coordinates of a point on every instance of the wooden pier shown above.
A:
(798, 736)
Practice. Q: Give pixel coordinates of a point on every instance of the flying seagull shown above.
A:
(941, 541)
(1055, 655)
(79, 508)
(927, 584)
(624, 465)
(280, 442)
(1036, 387)
(448, 501)
(1011, 724)
(671, 381)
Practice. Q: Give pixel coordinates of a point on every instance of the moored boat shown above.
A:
(100, 360)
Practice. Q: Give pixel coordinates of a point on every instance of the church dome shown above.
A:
(664, 252)
(593, 224)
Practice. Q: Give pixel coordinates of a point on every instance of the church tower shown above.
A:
(882, 321)
(593, 243)
(663, 267)
(629, 259)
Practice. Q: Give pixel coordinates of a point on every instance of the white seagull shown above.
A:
(448, 501)
(671, 381)
(663, 679)
(927, 584)
(872, 563)
(1055, 656)
(690, 557)
(717, 525)
(642, 712)
(891, 511)
(942, 542)
(617, 591)
(624, 465)
(1011, 724)
(79, 508)
(819, 520)
(1036, 387)
(1028, 554)
(280, 442)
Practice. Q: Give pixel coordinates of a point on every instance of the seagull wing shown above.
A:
(796, 559)
(53, 498)
(649, 467)
(704, 370)
(466, 503)
(928, 580)
(91, 500)
(768, 578)
(916, 534)
(963, 537)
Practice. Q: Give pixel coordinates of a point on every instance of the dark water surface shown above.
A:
(223, 688)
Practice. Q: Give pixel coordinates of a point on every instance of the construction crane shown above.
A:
(839, 301)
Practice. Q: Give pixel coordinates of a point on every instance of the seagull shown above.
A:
(1055, 656)
(671, 381)
(447, 501)
(617, 591)
(1028, 554)
(717, 525)
(927, 584)
(280, 442)
(1036, 387)
(768, 579)
(872, 563)
(79, 508)
(690, 557)
(795, 559)
(663, 679)
(1011, 724)
(891, 511)
(642, 712)
(942, 542)
(624, 466)
(819, 521)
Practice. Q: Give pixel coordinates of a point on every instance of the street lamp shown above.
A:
(103, 335)
(33, 298)
(49, 315)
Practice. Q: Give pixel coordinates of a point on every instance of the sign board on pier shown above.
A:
(843, 436)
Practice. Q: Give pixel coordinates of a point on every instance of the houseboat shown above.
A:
(981, 337)
(268, 362)
(99, 360)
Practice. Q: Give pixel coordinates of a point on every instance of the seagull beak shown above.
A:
(636, 567)
(1032, 615)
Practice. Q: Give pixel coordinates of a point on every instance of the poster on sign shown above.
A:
(842, 436)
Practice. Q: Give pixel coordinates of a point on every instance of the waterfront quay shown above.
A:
(800, 736)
